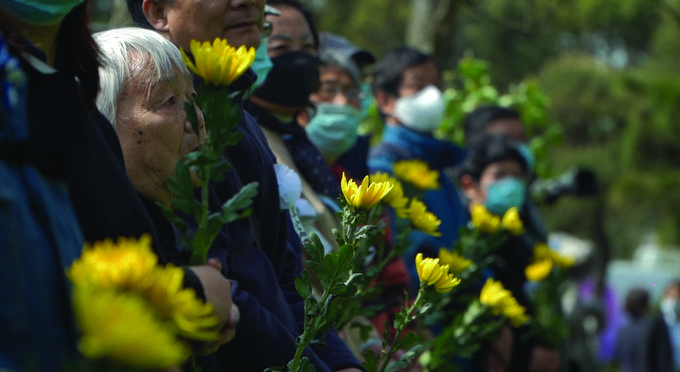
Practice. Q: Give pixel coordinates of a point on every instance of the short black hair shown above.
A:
(137, 13)
(476, 121)
(490, 148)
(387, 72)
(306, 13)
(637, 302)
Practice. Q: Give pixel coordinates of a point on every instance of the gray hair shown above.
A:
(126, 53)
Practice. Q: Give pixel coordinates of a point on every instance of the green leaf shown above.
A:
(240, 201)
(303, 285)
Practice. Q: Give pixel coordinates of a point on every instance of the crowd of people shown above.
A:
(92, 127)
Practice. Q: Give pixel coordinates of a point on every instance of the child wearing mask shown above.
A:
(494, 174)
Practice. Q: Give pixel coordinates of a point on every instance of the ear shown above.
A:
(385, 102)
(469, 186)
(156, 13)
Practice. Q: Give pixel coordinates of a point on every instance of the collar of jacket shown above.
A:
(437, 153)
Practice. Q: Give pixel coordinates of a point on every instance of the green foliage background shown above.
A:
(609, 72)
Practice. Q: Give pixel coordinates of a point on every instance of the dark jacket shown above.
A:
(261, 255)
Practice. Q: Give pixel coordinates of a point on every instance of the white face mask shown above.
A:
(668, 306)
(422, 111)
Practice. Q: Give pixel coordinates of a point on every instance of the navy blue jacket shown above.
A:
(264, 278)
(400, 143)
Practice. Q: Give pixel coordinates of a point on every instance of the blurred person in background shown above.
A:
(663, 342)
(638, 345)
(354, 159)
(282, 98)
(407, 88)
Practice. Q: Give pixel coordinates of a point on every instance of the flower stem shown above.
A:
(403, 319)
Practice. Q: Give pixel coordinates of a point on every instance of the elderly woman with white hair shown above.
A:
(144, 86)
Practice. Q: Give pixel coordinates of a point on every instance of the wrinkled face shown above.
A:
(238, 21)
(154, 132)
(510, 128)
(290, 32)
(492, 173)
(337, 86)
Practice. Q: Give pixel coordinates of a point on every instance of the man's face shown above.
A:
(237, 21)
(477, 192)
(336, 86)
(510, 128)
(415, 78)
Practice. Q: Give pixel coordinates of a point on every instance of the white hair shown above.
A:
(126, 53)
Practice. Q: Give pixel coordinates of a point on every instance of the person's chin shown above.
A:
(249, 36)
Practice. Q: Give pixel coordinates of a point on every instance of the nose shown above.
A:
(340, 99)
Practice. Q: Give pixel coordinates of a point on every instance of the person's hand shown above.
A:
(544, 360)
(217, 291)
(498, 353)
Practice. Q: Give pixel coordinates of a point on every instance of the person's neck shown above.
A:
(42, 37)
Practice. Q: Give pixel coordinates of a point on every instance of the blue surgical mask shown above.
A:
(333, 130)
(504, 194)
(39, 12)
(527, 154)
(262, 63)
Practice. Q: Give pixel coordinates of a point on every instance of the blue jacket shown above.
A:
(400, 143)
(261, 255)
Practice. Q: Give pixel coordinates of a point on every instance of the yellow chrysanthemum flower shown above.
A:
(539, 270)
(446, 281)
(395, 198)
(484, 220)
(501, 301)
(542, 252)
(512, 222)
(417, 173)
(218, 63)
(191, 317)
(122, 327)
(515, 312)
(423, 220)
(457, 263)
(494, 295)
(365, 196)
(429, 270)
(125, 265)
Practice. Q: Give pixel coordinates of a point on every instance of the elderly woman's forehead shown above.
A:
(143, 66)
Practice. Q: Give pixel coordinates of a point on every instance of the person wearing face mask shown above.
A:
(407, 89)
(333, 128)
(283, 99)
(494, 174)
(662, 343)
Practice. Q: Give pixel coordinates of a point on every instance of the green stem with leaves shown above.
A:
(404, 318)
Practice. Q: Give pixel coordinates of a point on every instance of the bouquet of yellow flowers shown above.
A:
(132, 313)
(549, 270)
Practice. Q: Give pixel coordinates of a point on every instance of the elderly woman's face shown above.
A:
(154, 131)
